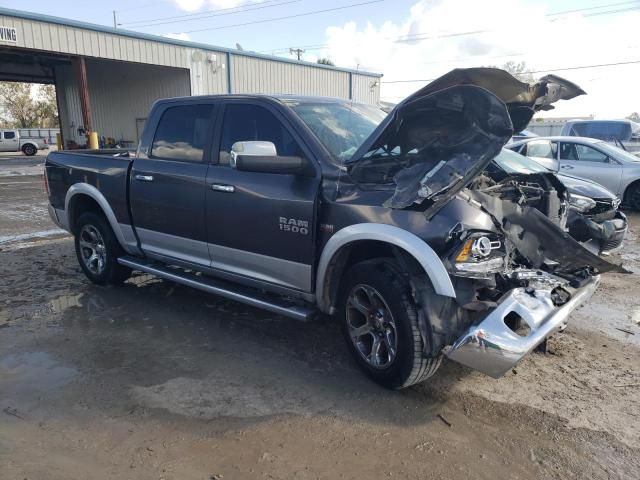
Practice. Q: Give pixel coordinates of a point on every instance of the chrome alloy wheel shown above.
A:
(371, 326)
(92, 249)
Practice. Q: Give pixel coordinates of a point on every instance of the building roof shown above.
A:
(7, 12)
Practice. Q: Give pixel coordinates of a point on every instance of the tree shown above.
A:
(25, 105)
(325, 61)
(520, 70)
(635, 116)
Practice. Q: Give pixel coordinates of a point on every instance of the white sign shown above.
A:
(8, 34)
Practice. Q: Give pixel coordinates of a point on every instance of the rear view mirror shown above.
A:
(262, 157)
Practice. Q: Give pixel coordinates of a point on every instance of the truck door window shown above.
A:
(9, 135)
(182, 133)
(244, 123)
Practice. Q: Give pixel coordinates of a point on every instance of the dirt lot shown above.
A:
(153, 380)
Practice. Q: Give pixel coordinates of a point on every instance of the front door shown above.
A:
(261, 225)
(168, 185)
(9, 141)
(587, 162)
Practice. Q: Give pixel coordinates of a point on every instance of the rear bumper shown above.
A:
(492, 348)
(59, 217)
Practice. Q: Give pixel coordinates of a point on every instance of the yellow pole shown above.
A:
(59, 141)
(93, 141)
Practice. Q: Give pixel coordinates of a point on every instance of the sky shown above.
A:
(409, 41)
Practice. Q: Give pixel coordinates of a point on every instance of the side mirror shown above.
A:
(262, 157)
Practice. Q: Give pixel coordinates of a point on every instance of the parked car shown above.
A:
(592, 215)
(13, 141)
(301, 205)
(615, 169)
(622, 133)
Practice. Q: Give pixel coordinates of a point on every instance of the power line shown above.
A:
(220, 12)
(286, 17)
(566, 69)
(423, 36)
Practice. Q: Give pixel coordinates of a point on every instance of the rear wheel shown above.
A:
(380, 325)
(633, 196)
(97, 249)
(29, 150)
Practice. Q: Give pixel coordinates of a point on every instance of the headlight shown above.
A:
(581, 203)
(480, 255)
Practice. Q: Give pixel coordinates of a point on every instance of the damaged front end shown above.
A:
(517, 283)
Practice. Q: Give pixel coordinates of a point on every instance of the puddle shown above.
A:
(60, 304)
(26, 376)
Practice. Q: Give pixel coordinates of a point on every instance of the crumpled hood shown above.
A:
(437, 140)
(522, 99)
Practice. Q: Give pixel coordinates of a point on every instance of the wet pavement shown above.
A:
(155, 380)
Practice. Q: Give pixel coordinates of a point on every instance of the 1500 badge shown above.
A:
(294, 225)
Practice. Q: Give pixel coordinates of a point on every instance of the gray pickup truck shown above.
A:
(306, 205)
(11, 140)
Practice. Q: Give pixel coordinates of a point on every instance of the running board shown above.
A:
(222, 288)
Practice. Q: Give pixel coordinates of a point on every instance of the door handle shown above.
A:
(144, 178)
(567, 167)
(223, 188)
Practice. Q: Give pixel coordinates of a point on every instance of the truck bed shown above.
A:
(107, 170)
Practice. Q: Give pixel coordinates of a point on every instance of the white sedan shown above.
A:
(590, 158)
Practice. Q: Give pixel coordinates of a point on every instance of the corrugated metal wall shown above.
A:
(250, 73)
(366, 89)
(68, 103)
(119, 94)
(128, 71)
(208, 72)
(256, 75)
(77, 41)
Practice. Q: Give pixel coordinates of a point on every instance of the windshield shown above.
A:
(512, 162)
(617, 152)
(340, 126)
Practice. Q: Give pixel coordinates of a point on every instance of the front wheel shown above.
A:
(29, 150)
(97, 249)
(380, 325)
(633, 196)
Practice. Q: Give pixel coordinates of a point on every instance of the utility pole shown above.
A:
(297, 52)
(115, 22)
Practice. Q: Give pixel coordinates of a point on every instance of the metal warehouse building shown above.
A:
(106, 79)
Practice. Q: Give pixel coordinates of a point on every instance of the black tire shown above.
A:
(410, 365)
(632, 197)
(91, 225)
(29, 150)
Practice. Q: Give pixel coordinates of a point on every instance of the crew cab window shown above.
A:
(182, 133)
(9, 135)
(244, 123)
(541, 149)
(584, 153)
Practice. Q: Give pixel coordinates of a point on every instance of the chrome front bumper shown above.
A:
(492, 348)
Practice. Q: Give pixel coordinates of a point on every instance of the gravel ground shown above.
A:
(152, 380)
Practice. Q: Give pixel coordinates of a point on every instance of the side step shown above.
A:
(222, 288)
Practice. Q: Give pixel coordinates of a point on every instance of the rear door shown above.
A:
(167, 184)
(585, 161)
(261, 225)
(9, 141)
